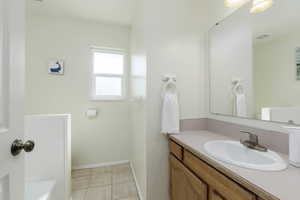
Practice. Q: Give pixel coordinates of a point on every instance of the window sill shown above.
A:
(108, 99)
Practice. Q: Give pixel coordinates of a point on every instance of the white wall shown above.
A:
(104, 139)
(173, 39)
(137, 104)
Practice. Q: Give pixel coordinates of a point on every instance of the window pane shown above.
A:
(108, 63)
(108, 86)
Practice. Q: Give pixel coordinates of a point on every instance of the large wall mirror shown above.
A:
(254, 64)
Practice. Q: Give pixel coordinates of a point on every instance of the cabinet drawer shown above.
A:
(229, 189)
(176, 150)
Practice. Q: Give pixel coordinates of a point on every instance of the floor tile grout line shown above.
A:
(113, 183)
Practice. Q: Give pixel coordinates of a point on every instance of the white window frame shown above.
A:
(122, 76)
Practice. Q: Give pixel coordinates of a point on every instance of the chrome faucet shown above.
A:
(252, 143)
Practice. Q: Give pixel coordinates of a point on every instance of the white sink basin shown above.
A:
(235, 153)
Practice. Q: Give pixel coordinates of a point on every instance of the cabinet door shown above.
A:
(184, 184)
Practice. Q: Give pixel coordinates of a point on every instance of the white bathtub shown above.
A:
(39, 190)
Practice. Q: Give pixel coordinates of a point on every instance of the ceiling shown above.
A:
(109, 11)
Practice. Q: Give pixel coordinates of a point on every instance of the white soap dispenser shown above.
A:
(294, 144)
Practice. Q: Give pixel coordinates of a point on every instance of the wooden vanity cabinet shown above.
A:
(193, 179)
(176, 150)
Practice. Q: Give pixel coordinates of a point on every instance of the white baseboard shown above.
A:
(136, 182)
(100, 165)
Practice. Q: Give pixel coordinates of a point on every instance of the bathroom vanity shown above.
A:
(194, 175)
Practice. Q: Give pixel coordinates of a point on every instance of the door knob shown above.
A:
(18, 145)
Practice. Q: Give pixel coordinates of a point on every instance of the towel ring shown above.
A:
(167, 79)
(238, 89)
(169, 85)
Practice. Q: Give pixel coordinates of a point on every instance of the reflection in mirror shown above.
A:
(255, 64)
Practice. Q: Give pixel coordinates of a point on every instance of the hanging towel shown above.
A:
(170, 109)
(240, 105)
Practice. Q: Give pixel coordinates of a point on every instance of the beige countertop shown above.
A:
(283, 185)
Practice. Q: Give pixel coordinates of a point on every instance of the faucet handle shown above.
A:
(252, 137)
(252, 143)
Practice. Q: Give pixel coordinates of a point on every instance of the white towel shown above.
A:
(170, 109)
(240, 105)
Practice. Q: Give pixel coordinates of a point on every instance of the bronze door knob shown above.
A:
(18, 145)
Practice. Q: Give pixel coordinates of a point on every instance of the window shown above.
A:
(109, 77)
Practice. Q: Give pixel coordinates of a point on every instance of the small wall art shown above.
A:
(56, 67)
(298, 62)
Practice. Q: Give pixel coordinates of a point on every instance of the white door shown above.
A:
(12, 65)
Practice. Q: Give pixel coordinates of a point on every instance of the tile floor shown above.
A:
(104, 183)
